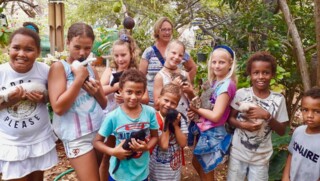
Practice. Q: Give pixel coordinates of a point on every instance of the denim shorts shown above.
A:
(212, 147)
(239, 170)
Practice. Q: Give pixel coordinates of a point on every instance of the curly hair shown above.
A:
(133, 75)
(314, 93)
(134, 50)
(262, 56)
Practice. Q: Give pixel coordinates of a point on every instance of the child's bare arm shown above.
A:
(258, 112)
(153, 138)
(157, 86)
(117, 151)
(286, 171)
(105, 82)
(181, 137)
(218, 110)
(98, 94)
(13, 98)
(246, 125)
(163, 141)
(61, 98)
(145, 98)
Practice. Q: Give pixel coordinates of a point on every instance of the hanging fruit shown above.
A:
(128, 22)
(116, 7)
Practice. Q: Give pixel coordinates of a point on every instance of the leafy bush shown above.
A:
(4, 57)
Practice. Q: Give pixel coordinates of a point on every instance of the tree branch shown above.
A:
(310, 48)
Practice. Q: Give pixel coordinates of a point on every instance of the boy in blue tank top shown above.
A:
(131, 116)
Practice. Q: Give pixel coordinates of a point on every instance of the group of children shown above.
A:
(95, 118)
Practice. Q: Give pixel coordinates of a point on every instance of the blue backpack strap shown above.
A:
(157, 52)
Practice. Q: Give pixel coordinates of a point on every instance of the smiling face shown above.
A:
(221, 63)
(174, 55)
(261, 75)
(122, 57)
(165, 32)
(132, 93)
(167, 101)
(79, 48)
(23, 52)
(310, 109)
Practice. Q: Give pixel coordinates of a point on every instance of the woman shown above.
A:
(152, 58)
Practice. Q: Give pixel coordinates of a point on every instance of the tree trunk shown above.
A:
(298, 48)
(317, 19)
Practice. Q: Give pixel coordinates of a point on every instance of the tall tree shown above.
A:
(317, 20)
(297, 43)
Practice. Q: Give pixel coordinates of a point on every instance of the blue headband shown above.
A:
(125, 38)
(226, 48)
(31, 28)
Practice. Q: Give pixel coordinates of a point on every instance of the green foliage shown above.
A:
(4, 36)
(4, 57)
(202, 67)
(104, 40)
(279, 156)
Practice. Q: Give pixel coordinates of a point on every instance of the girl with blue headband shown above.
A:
(213, 143)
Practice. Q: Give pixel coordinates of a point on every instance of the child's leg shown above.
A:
(83, 157)
(258, 173)
(237, 170)
(86, 166)
(104, 167)
(203, 176)
(35, 176)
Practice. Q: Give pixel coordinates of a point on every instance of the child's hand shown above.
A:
(250, 126)
(176, 122)
(35, 96)
(138, 145)
(17, 95)
(257, 113)
(91, 86)
(191, 114)
(121, 153)
(186, 87)
(80, 72)
(119, 98)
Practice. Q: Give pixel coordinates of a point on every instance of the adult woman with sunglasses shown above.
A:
(153, 57)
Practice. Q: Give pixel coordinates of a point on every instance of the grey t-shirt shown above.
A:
(256, 147)
(305, 150)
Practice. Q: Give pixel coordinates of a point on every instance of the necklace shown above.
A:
(170, 68)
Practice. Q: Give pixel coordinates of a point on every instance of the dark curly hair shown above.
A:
(262, 56)
(133, 75)
(314, 93)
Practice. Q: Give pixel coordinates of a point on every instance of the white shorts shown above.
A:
(239, 170)
(79, 146)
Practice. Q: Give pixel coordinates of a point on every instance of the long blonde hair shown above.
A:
(231, 74)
